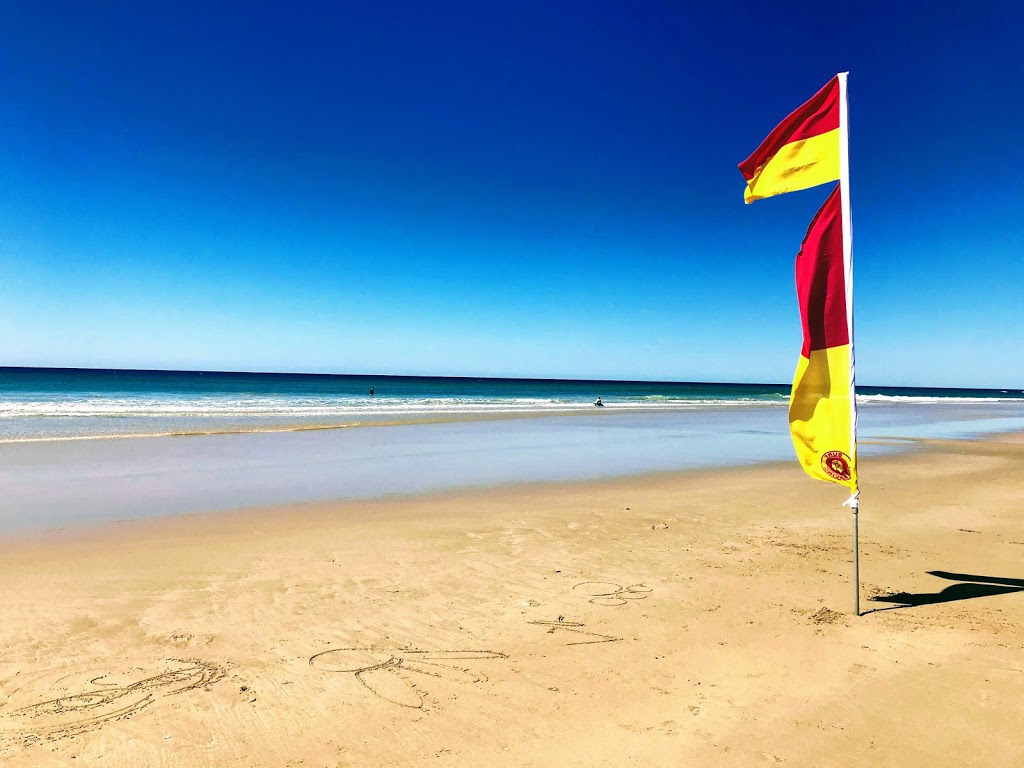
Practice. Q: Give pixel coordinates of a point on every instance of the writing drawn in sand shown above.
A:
(608, 593)
(575, 628)
(103, 702)
(400, 675)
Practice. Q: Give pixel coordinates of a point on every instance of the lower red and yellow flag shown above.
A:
(822, 409)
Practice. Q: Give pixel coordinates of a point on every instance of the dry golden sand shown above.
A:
(693, 619)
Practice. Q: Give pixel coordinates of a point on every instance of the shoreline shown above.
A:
(320, 509)
(683, 618)
(446, 418)
(62, 484)
(978, 409)
(284, 516)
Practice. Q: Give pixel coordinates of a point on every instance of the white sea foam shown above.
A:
(213, 406)
(106, 407)
(31, 417)
(925, 400)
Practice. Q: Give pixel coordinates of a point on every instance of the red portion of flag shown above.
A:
(821, 279)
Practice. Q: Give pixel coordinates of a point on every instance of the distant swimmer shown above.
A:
(598, 403)
(371, 391)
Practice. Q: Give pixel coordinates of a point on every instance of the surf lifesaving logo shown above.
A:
(836, 465)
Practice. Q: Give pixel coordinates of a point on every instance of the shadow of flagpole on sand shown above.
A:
(971, 586)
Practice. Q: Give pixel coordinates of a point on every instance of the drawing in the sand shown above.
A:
(576, 628)
(399, 675)
(608, 593)
(103, 702)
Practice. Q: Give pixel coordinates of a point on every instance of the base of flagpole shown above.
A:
(855, 509)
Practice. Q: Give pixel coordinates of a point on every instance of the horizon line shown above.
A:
(6, 368)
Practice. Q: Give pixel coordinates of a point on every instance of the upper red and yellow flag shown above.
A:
(802, 151)
(822, 409)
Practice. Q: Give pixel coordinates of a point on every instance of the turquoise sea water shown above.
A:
(47, 404)
(49, 479)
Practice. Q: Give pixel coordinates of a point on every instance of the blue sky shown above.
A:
(499, 189)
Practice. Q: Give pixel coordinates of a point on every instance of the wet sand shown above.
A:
(688, 618)
(74, 483)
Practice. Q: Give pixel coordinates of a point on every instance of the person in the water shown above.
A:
(598, 403)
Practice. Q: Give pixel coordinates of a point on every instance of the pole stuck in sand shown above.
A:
(811, 147)
(847, 217)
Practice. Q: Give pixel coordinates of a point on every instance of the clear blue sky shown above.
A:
(500, 188)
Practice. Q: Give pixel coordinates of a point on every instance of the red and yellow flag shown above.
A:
(809, 148)
(802, 152)
(822, 409)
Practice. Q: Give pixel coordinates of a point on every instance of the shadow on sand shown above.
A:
(971, 586)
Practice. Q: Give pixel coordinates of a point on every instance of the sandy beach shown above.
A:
(450, 385)
(691, 618)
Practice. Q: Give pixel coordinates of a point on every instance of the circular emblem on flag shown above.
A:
(836, 465)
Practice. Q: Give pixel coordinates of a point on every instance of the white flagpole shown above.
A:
(844, 183)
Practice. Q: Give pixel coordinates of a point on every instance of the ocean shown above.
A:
(61, 404)
(251, 440)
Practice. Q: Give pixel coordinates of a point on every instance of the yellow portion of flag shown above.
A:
(820, 416)
(797, 165)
